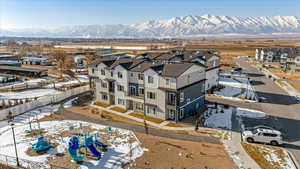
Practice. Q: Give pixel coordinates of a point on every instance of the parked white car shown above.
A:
(268, 136)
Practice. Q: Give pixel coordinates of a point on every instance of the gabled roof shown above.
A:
(175, 69)
(125, 62)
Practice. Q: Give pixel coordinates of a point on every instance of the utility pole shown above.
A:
(15, 145)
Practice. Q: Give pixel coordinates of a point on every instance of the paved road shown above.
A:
(283, 109)
(141, 129)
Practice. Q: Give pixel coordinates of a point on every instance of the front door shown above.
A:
(130, 105)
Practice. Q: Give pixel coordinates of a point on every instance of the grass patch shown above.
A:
(101, 104)
(172, 124)
(148, 118)
(261, 154)
(119, 109)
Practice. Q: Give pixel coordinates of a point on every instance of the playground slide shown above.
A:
(94, 151)
(73, 149)
(73, 154)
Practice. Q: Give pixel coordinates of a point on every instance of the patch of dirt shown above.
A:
(36, 133)
(52, 117)
(2, 166)
(57, 162)
(178, 154)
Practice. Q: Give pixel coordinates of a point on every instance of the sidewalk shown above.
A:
(237, 152)
(161, 125)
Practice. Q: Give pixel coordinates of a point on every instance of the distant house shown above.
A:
(35, 61)
(288, 57)
(101, 52)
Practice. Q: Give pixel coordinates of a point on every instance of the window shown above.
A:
(197, 106)
(104, 97)
(168, 82)
(171, 98)
(121, 101)
(102, 72)
(172, 114)
(269, 135)
(182, 97)
(104, 85)
(151, 110)
(214, 63)
(120, 88)
(139, 106)
(141, 91)
(132, 91)
(120, 75)
(93, 70)
(188, 100)
(131, 74)
(150, 79)
(150, 95)
(181, 114)
(111, 73)
(141, 76)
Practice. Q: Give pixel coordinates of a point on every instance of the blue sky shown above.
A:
(57, 13)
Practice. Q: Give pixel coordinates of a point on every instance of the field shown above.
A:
(179, 154)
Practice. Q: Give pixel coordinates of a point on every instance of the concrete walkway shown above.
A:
(237, 152)
(158, 125)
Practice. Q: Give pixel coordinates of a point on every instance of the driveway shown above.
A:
(284, 110)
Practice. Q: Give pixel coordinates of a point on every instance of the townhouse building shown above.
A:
(161, 89)
(208, 58)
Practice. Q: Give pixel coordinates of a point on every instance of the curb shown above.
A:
(296, 165)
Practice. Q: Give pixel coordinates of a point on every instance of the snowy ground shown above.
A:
(33, 81)
(241, 112)
(270, 156)
(274, 158)
(117, 155)
(232, 73)
(121, 144)
(32, 93)
(216, 118)
(236, 89)
(69, 81)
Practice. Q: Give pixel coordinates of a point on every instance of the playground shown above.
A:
(71, 144)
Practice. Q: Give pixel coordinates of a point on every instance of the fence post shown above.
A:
(6, 160)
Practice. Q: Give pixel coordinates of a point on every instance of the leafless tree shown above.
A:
(63, 62)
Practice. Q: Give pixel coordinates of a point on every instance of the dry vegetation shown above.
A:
(260, 154)
(101, 104)
(229, 49)
(119, 109)
(2, 166)
(142, 116)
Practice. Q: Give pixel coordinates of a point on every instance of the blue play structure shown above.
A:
(89, 143)
(74, 148)
(41, 144)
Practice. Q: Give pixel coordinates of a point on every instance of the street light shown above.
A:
(13, 131)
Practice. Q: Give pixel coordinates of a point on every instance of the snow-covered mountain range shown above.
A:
(188, 26)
